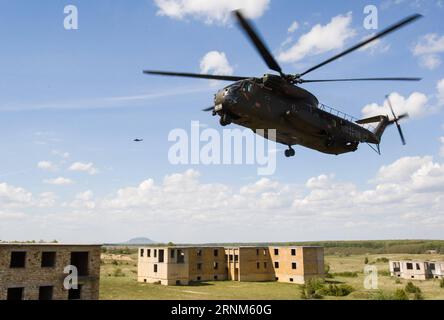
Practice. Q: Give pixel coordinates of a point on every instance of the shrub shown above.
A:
(418, 296)
(380, 295)
(337, 290)
(400, 295)
(118, 273)
(382, 260)
(327, 271)
(347, 274)
(366, 260)
(115, 263)
(411, 288)
(312, 289)
(398, 281)
(441, 283)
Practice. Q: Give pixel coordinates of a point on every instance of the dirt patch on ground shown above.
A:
(117, 257)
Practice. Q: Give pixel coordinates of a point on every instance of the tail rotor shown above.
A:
(396, 120)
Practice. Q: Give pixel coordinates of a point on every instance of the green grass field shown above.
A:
(118, 282)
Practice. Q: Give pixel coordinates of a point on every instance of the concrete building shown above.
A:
(182, 265)
(416, 269)
(36, 271)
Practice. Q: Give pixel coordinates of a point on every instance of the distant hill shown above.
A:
(140, 240)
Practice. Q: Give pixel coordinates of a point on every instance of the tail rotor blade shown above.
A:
(208, 109)
(391, 107)
(401, 134)
(396, 120)
(403, 116)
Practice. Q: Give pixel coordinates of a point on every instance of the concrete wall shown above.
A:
(438, 273)
(255, 264)
(169, 272)
(308, 263)
(33, 276)
(212, 267)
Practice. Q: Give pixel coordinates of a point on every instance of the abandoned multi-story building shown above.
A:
(417, 269)
(37, 271)
(182, 265)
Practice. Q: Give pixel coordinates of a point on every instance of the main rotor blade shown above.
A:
(361, 79)
(253, 35)
(208, 109)
(379, 35)
(195, 75)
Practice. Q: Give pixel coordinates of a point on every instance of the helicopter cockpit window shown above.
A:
(248, 87)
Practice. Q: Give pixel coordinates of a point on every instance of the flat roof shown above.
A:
(277, 247)
(48, 244)
(418, 261)
(223, 247)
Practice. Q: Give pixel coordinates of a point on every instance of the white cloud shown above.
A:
(10, 216)
(293, 27)
(83, 200)
(215, 62)
(402, 169)
(440, 89)
(429, 44)
(213, 11)
(321, 39)
(60, 181)
(265, 210)
(47, 165)
(260, 186)
(287, 41)
(415, 105)
(84, 167)
(441, 151)
(13, 196)
(428, 49)
(430, 61)
(61, 154)
(47, 199)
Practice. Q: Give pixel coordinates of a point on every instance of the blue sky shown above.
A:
(79, 97)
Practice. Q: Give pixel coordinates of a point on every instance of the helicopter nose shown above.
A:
(225, 98)
(219, 98)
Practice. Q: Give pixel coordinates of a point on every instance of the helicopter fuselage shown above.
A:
(293, 112)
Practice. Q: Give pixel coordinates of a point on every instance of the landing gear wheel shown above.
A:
(290, 153)
(225, 120)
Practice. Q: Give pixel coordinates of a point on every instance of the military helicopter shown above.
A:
(277, 101)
